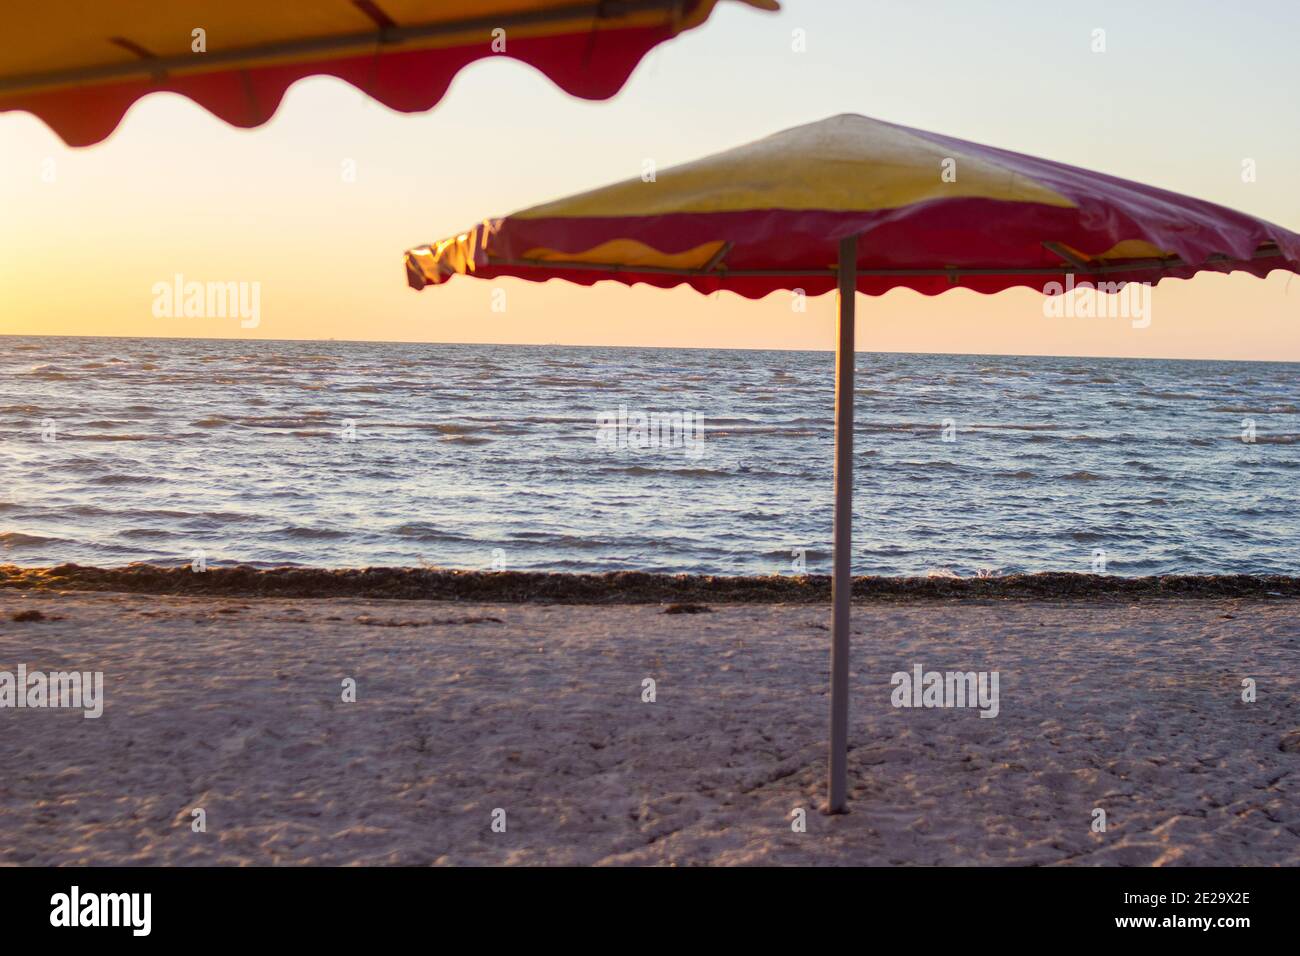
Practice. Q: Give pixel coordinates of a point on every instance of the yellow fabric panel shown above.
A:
(1134, 249)
(848, 163)
(62, 35)
(629, 252)
(1125, 249)
(55, 35)
(455, 254)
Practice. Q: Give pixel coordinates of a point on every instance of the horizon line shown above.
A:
(677, 348)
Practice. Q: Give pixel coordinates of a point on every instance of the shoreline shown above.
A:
(626, 587)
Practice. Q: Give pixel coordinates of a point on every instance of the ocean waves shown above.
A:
(493, 457)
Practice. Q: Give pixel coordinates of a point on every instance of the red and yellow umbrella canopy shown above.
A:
(931, 213)
(80, 65)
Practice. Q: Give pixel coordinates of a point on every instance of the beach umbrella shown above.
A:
(79, 66)
(861, 205)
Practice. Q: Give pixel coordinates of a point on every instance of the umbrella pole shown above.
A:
(842, 569)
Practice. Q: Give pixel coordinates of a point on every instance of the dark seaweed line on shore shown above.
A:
(625, 587)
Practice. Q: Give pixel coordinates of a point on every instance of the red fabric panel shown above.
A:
(957, 233)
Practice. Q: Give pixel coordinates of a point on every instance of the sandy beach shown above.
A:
(235, 705)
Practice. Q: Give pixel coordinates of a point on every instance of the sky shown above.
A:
(1185, 91)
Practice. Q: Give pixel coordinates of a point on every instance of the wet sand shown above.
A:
(234, 705)
(626, 587)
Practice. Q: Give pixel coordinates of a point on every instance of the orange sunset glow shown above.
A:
(318, 205)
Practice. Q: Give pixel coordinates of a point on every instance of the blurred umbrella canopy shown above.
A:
(80, 66)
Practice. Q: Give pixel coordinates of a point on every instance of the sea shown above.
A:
(355, 454)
